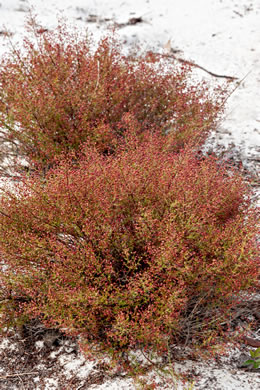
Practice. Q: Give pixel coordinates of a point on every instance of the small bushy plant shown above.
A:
(254, 362)
(58, 91)
(125, 249)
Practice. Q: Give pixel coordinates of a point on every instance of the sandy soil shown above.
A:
(222, 36)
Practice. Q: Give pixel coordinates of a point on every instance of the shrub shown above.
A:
(125, 249)
(57, 92)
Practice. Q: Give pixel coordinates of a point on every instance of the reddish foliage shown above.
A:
(132, 239)
(59, 92)
(118, 247)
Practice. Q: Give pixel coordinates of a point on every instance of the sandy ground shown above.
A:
(223, 36)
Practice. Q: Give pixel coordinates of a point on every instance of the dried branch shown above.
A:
(193, 64)
(18, 374)
(251, 342)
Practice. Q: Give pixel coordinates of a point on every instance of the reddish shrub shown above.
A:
(58, 92)
(124, 249)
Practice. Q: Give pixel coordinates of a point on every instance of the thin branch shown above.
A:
(98, 75)
(18, 374)
(4, 214)
(192, 63)
(251, 342)
(236, 87)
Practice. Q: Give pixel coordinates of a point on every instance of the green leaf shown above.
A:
(248, 362)
(257, 352)
(252, 353)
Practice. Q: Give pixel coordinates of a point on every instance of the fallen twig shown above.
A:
(236, 87)
(192, 63)
(251, 342)
(18, 374)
